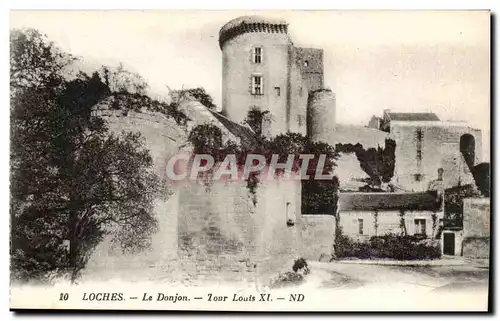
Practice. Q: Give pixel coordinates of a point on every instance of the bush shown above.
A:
(287, 279)
(300, 264)
(300, 269)
(390, 246)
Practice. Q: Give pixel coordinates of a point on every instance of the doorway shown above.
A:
(449, 243)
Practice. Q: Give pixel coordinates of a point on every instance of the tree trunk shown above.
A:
(73, 247)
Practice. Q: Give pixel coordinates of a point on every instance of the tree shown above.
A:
(254, 119)
(72, 181)
(120, 80)
(378, 163)
(35, 62)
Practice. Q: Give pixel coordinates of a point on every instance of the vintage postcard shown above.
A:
(250, 161)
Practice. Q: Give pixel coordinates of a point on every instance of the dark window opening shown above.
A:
(257, 55)
(360, 226)
(257, 82)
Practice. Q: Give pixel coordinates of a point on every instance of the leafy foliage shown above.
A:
(481, 174)
(136, 102)
(377, 163)
(318, 195)
(300, 269)
(196, 93)
(206, 139)
(389, 246)
(254, 119)
(72, 181)
(202, 96)
(454, 204)
(120, 80)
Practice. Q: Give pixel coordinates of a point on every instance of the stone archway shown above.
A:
(467, 148)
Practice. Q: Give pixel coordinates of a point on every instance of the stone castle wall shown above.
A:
(476, 230)
(224, 236)
(318, 235)
(162, 136)
(436, 138)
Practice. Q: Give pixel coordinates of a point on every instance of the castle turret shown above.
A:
(255, 69)
(321, 116)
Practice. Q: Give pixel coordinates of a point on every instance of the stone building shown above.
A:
(476, 228)
(263, 70)
(363, 215)
(424, 144)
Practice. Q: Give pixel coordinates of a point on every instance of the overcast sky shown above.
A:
(403, 61)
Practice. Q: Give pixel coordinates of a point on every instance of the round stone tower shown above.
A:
(321, 116)
(255, 70)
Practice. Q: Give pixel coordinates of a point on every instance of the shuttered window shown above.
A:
(257, 85)
(420, 228)
(257, 55)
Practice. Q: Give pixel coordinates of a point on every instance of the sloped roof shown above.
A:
(246, 135)
(424, 201)
(413, 116)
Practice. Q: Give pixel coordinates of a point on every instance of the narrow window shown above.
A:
(278, 91)
(257, 82)
(420, 227)
(300, 92)
(289, 220)
(360, 226)
(420, 137)
(306, 63)
(299, 120)
(257, 55)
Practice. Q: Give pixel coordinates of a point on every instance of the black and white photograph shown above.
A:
(228, 160)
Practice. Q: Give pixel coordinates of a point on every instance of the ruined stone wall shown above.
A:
(435, 135)
(224, 236)
(162, 136)
(310, 62)
(476, 230)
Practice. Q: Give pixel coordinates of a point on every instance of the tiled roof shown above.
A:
(424, 201)
(413, 116)
(247, 136)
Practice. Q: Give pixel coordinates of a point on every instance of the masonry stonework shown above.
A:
(318, 235)
(287, 74)
(440, 148)
(224, 234)
(476, 227)
(162, 137)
